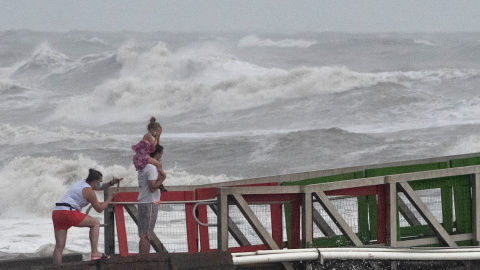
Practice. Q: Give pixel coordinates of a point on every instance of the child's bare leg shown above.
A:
(155, 162)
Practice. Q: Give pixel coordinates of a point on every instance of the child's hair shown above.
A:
(153, 124)
(93, 175)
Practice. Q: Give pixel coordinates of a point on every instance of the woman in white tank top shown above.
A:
(67, 212)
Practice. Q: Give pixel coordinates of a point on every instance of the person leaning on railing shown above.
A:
(67, 212)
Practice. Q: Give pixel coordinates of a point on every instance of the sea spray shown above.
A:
(253, 41)
(24, 134)
(36, 184)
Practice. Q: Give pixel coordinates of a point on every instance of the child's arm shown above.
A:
(157, 139)
(157, 136)
(148, 137)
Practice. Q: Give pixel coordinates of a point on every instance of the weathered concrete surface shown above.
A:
(30, 263)
(160, 261)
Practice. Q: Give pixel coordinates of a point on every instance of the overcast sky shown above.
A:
(281, 16)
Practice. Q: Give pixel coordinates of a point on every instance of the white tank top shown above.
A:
(74, 196)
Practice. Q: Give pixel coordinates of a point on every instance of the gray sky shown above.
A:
(283, 16)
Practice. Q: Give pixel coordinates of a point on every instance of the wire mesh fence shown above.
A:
(171, 221)
(170, 228)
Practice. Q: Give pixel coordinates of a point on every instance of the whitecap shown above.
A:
(254, 41)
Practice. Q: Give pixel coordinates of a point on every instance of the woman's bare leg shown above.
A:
(60, 240)
(94, 226)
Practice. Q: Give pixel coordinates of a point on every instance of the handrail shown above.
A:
(195, 216)
(161, 202)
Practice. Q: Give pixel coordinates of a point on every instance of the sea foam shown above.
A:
(17, 135)
(37, 183)
(159, 81)
(254, 41)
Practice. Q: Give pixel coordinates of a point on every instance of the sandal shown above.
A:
(103, 257)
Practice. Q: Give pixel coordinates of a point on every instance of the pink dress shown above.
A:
(142, 152)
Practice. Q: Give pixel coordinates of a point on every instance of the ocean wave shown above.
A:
(16, 95)
(159, 81)
(424, 42)
(96, 40)
(427, 76)
(204, 78)
(17, 135)
(45, 62)
(9, 86)
(254, 41)
(39, 182)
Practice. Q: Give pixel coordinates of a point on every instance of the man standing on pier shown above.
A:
(149, 181)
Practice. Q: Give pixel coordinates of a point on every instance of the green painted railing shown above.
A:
(455, 194)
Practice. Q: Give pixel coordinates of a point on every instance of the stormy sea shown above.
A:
(232, 106)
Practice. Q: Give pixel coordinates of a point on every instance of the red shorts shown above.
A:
(64, 219)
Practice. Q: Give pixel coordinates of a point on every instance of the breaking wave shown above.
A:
(15, 135)
(254, 41)
(38, 182)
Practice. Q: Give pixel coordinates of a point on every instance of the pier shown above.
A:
(402, 215)
(420, 204)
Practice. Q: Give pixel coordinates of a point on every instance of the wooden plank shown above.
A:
(253, 190)
(307, 223)
(295, 225)
(109, 230)
(392, 215)
(372, 214)
(258, 227)
(203, 230)
(322, 223)
(222, 221)
(154, 241)
(361, 182)
(382, 214)
(192, 227)
(277, 226)
(337, 218)
(255, 222)
(325, 179)
(432, 174)
(363, 227)
(121, 230)
(234, 230)
(203, 194)
(426, 214)
(476, 209)
(407, 213)
(447, 208)
(463, 208)
(433, 240)
(418, 167)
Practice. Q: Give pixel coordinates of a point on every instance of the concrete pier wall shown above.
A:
(158, 261)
